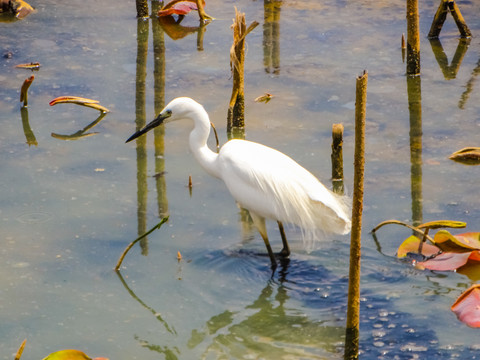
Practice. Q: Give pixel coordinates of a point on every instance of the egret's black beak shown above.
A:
(158, 121)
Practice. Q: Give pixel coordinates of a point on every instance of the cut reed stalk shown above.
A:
(353, 303)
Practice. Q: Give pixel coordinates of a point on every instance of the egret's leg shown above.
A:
(262, 229)
(286, 249)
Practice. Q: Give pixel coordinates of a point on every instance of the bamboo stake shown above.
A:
(337, 158)
(353, 304)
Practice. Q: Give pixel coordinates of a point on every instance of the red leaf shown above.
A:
(445, 261)
(179, 8)
(474, 256)
(467, 306)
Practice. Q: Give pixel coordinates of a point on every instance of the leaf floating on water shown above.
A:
(178, 8)
(264, 98)
(179, 256)
(19, 8)
(467, 156)
(22, 9)
(30, 66)
(445, 262)
(71, 99)
(467, 306)
(94, 104)
(457, 243)
(183, 7)
(70, 355)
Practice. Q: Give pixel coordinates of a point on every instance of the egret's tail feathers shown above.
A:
(325, 220)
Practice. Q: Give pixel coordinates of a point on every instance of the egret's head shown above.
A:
(177, 109)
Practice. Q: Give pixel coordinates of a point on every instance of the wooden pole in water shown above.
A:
(353, 303)
(457, 16)
(441, 15)
(413, 38)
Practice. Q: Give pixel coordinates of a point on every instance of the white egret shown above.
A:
(266, 182)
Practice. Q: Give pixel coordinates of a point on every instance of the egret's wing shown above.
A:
(273, 185)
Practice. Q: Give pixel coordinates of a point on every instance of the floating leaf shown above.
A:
(445, 262)
(179, 256)
(19, 8)
(457, 243)
(72, 99)
(30, 66)
(467, 156)
(410, 245)
(176, 7)
(264, 98)
(70, 355)
(467, 306)
(22, 9)
(474, 256)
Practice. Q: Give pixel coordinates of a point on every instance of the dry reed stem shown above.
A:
(353, 304)
(127, 249)
(24, 90)
(236, 116)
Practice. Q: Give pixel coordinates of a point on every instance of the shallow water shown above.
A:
(69, 208)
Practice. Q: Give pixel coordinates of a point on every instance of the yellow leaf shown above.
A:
(458, 243)
(437, 224)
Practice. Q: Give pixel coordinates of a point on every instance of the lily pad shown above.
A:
(467, 306)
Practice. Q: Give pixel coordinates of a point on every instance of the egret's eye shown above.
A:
(168, 112)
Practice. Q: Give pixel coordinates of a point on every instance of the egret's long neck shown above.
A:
(198, 143)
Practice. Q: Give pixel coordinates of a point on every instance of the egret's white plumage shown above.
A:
(266, 182)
